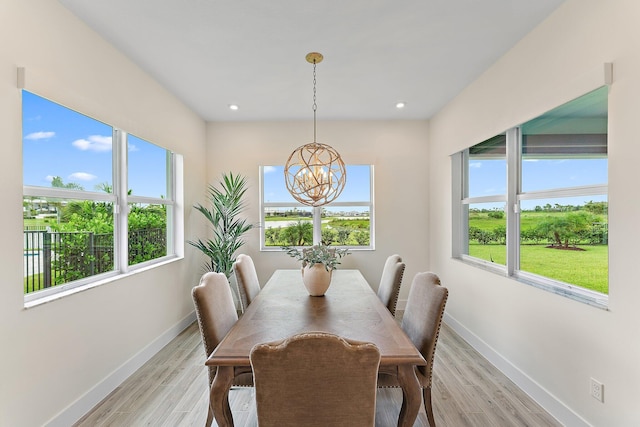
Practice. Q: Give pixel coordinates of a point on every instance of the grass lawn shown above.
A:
(39, 221)
(588, 268)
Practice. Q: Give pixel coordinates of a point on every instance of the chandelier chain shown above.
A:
(315, 106)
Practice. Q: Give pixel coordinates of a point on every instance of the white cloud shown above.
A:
(132, 147)
(93, 143)
(81, 176)
(475, 164)
(269, 169)
(49, 178)
(40, 135)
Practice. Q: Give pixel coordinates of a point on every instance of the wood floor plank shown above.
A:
(193, 393)
(171, 390)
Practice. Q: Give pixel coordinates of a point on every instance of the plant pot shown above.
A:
(316, 279)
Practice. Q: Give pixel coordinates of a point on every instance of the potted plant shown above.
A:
(225, 206)
(318, 262)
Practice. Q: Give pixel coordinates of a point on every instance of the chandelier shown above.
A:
(315, 173)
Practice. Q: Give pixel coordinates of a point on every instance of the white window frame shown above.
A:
(121, 200)
(317, 213)
(511, 200)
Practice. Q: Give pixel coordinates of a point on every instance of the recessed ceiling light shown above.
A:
(233, 107)
(400, 105)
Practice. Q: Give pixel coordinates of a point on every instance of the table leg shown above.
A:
(411, 395)
(219, 398)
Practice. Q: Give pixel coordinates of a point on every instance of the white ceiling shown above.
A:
(212, 53)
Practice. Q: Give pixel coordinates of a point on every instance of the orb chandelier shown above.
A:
(315, 173)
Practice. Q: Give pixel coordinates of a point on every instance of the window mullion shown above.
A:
(512, 208)
(317, 225)
(121, 211)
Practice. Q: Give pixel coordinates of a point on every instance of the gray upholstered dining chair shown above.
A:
(390, 282)
(315, 379)
(216, 313)
(247, 278)
(421, 321)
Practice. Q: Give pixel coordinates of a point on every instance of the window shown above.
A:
(97, 201)
(348, 221)
(532, 203)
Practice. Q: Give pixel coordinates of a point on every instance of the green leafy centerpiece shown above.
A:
(318, 263)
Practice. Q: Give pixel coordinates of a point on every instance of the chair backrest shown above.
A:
(247, 278)
(423, 317)
(315, 379)
(390, 282)
(215, 310)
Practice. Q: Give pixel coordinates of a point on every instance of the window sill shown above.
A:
(81, 288)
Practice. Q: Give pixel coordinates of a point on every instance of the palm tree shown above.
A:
(298, 233)
(225, 205)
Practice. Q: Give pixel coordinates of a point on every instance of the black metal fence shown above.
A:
(54, 258)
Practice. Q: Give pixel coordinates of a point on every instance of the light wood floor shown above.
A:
(171, 390)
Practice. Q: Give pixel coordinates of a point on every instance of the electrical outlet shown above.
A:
(597, 390)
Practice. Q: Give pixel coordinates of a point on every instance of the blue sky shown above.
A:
(61, 142)
(58, 141)
(356, 188)
(488, 177)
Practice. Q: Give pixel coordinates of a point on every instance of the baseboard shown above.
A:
(84, 404)
(553, 406)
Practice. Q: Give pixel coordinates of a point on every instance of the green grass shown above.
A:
(350, 223)
(587, 269)
(492, 253)
(483, 222)
(39, 221)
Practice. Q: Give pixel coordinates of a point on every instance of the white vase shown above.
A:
(316, 279)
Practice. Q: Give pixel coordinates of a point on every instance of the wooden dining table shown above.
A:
(349, 308)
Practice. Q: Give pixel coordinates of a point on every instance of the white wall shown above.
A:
(54, 354)
(398, 151)
(554, 344)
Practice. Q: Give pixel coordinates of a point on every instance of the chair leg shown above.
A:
(426, 397)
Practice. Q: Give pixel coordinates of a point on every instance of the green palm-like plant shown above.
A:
(225, 205)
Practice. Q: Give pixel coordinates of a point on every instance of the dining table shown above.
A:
(350, 308)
